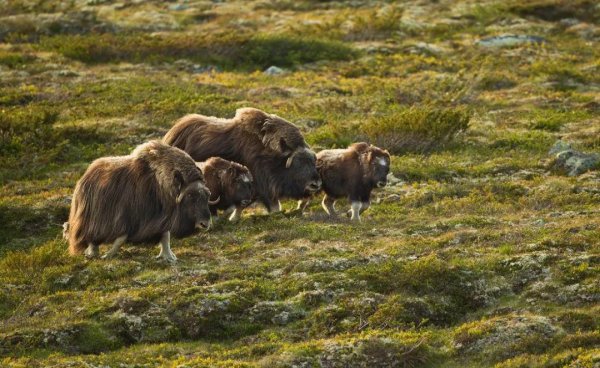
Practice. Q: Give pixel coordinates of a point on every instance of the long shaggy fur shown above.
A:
(258, 140)
(353, 172)
(134, 195)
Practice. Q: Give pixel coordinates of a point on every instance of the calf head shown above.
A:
(238, 185)
(376, 165)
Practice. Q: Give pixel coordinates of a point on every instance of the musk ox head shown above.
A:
(301, 172)
(238, 184)
(375, 162)
(192, 209)
(275, 133)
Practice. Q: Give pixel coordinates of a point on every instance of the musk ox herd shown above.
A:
(204, 165)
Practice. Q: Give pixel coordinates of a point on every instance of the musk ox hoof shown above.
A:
(169, 257)
(91, 252)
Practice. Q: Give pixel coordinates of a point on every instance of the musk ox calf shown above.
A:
(281, 163)
(231, 183)
(137, 198)
(353, 173)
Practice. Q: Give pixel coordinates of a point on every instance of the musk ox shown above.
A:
(274, 150)
(137, 198)
(353, 173)
(231, 183)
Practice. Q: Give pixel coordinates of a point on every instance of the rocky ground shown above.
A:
(482, 251)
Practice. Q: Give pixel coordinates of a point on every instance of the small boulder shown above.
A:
(575, 163)
(509, 40)
(274, 70)
(559, 146)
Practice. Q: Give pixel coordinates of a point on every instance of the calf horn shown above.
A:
(212, 203)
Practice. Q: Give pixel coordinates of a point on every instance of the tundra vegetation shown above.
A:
(476, 255)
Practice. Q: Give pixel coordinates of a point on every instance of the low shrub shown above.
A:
(227, 50)
(30, 143)
(413, 129)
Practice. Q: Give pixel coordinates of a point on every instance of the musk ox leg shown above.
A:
(92, 251)
(276, 207)
(365, 206)
(328, 205)
(165, 248)
(115, 247)
(236, 214)
(302, 204)
(355, 211)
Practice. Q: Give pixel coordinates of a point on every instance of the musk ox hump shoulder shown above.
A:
(360, 147)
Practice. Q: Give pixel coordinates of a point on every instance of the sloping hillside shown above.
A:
(482, 251)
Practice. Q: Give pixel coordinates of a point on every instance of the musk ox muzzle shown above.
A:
(381, 183)
(314, 186)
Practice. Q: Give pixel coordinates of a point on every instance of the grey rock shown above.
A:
(428, 49)
(575, 163)
(274, 70)
(509, 40)
(178, 7)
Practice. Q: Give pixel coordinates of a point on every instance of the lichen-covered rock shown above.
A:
(575, 163)
(367, 351)
(275, 312)
(524, 269)
(80, 338)
(150, 326)
(506, 336)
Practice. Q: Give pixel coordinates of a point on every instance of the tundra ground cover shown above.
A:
(477, 254)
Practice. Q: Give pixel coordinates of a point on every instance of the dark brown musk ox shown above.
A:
(137, 198)
(274, 150)
(230, 182)
(353, 173)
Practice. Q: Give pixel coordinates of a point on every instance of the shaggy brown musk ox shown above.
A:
(137, 198)
(274, 150)
(353, 173)
(229, 181)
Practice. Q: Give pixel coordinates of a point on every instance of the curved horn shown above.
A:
(212, 203)
(288, 162)
(191, 186)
